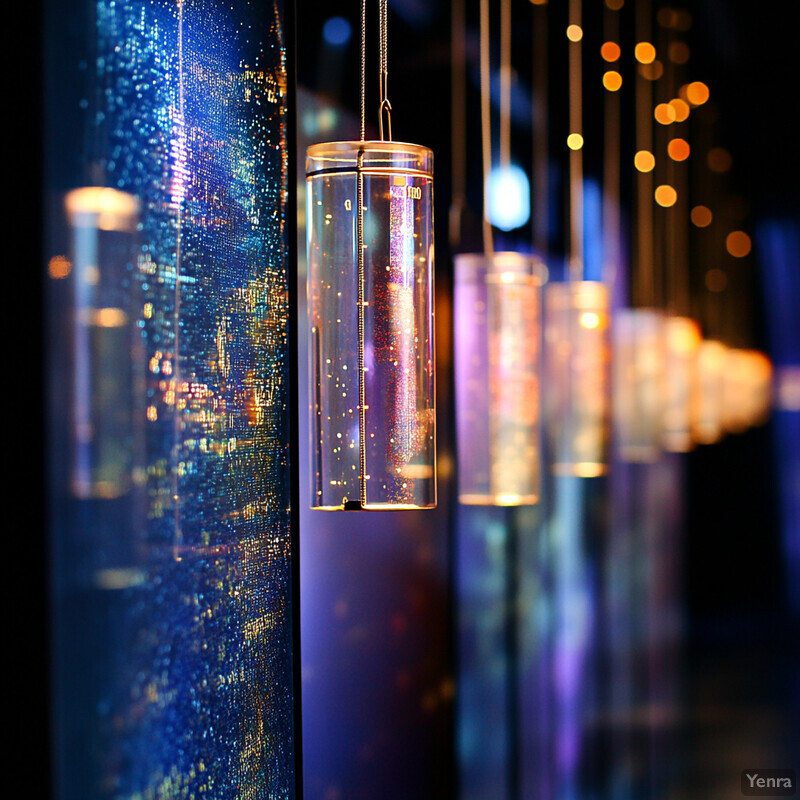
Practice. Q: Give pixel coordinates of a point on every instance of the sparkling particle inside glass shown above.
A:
(372, 359)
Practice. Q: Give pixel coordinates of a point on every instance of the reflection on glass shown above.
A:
(497, 358)
(638, 377)
(103, 225)
(576, 391)
(682, 337)
(372, 357)
(707, 414)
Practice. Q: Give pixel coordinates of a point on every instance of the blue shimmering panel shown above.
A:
(169, 402)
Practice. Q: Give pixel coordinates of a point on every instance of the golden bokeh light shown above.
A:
(574, 141)
(574, 33)
(681, 20)
(701, 216)
(697, 93)
(738, 244)
(615, 5)
(719, 159)
(651, 72)
(539, 2)
(678, 149)
(665, 17)
(681, 108)
(678, 52)
(59, 267)
(666, 195)
(610, 51)
(612, 80)
(644, 161)
(589, 320)
(716, 280)
(664, 113)
(645, 53)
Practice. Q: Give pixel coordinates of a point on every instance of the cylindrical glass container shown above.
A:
(103, 225)
(370, 292)
(682, 337)
(576, 376)
(497, 362)
(707, 416)
(638, 342)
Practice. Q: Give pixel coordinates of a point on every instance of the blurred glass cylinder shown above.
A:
(707, 414)
(576, 377)
(372, 346)
(103, 225)
(639, 359)
(497, 362)
(747, 389)
(682, 338)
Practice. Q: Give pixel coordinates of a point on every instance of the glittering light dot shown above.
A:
(665, 195)
(589, 319)
(644, 161)
(701, 216)
(612, 80)
(681, 108)
(645, 53)
(738, 244)
(664, 113)
(574, 33)
(574, 141)
(697, 93)
(59, 267)
(678, 149)
(719, 159)
(678, 52)
(716, 280)
(610, 51)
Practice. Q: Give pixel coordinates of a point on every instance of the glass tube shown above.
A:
(576, 365)
(707, 415)
(638, 361)
(682, 337)
(103, 225)
(372, 347)
(497, 362)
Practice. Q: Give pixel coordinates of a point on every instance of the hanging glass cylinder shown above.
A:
(370, 290)
(682, 338)
(497, 363)
(105, 334)
(576, 380)
(639, 356)
(707, 414)
(746, 389)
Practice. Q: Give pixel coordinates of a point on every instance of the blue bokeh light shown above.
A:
(336, 31)
(509, 203)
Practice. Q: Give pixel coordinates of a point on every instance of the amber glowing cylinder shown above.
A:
(103, 228)
(707, 426)
(746, 389)
(639, 357)
(496, 316)
(370, 292)
(682, 338)
(576, 377)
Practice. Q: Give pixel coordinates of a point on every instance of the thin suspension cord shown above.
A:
(576, 155)
(486, 126)
(505, 84)
(643, 294)
(385, 106)
(458, 119)
(363, 69)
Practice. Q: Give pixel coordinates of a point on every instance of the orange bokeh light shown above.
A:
(678, 149)
(701, 216)
(738, 244)
(610, 51)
